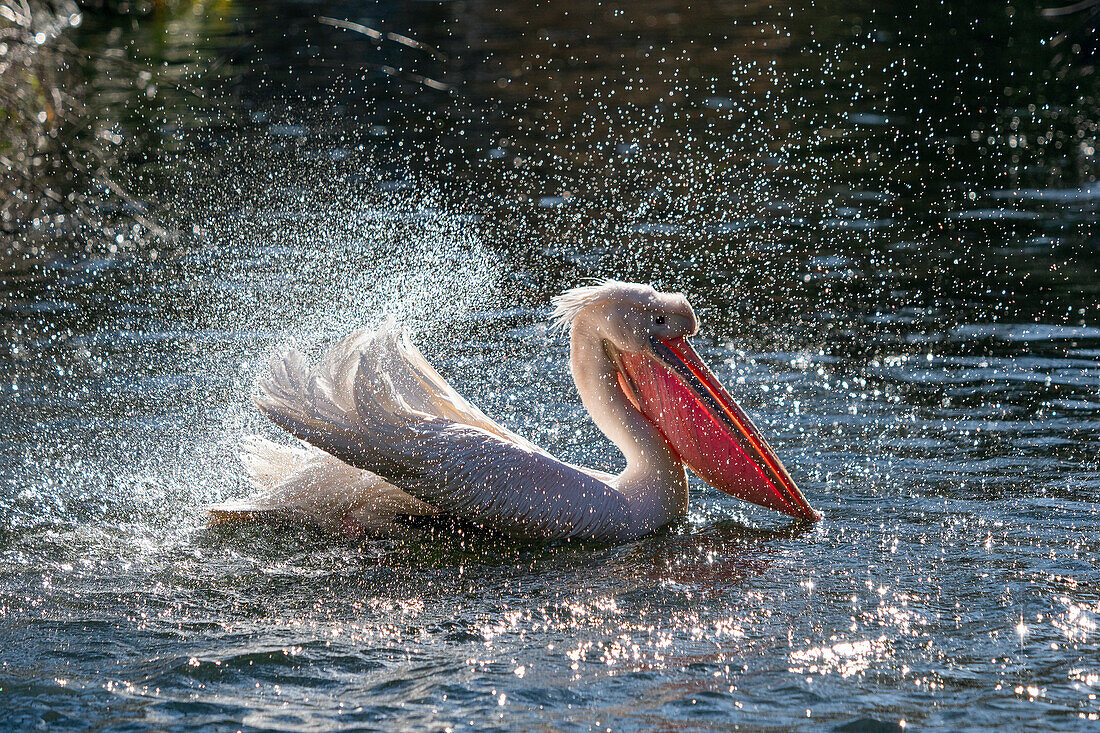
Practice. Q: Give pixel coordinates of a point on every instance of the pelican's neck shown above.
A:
(654, 481)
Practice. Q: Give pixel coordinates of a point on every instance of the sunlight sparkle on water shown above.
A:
(887, 221)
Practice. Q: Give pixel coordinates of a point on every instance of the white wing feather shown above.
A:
(376, 404)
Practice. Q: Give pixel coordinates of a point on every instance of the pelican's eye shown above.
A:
(659, 319)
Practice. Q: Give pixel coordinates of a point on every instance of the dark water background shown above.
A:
(886, 215)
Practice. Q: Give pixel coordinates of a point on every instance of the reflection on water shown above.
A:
(886, 217)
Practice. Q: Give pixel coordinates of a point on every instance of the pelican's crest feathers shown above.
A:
(573, 301)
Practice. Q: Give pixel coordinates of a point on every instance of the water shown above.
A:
(886, 218)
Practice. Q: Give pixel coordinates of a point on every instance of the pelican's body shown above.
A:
(391, 438)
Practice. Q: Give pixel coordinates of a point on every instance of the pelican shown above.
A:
(385, 437)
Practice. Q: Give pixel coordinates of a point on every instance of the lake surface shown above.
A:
(886, 216)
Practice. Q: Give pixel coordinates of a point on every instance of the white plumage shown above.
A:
(386, 436)
(382, 417)
(309, 486)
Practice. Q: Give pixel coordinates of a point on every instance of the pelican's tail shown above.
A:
(306, 486)
(269, 463)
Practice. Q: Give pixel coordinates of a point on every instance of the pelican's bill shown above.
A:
(706, 428)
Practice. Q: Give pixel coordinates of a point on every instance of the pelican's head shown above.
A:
(645, 335)
(626, 315)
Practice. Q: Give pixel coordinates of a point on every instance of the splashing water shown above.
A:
(183, 374)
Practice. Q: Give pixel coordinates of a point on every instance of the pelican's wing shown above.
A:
(370, 405)
(421, 386)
